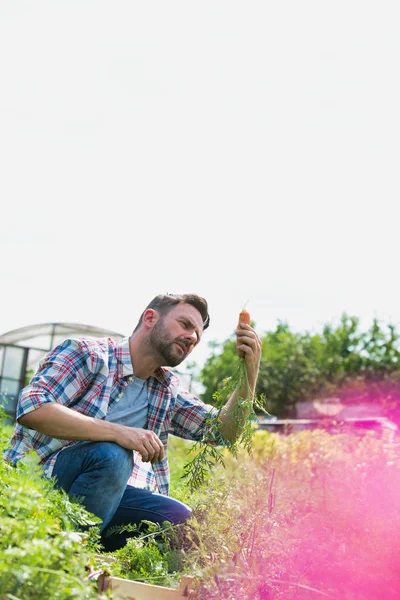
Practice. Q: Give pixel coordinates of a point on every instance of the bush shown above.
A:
(341, 360)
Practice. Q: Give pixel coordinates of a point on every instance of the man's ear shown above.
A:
(150, 318)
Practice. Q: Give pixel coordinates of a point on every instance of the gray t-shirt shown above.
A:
(131, 409)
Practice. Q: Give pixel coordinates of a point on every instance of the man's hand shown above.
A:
(146, 442)
(249, 346)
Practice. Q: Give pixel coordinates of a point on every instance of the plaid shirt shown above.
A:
(89, 375)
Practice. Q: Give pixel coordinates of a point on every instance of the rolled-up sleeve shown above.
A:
(62, 375)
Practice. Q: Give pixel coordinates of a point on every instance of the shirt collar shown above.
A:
(124, 364)
(164, 376)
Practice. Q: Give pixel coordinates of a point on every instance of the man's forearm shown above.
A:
(63, 423)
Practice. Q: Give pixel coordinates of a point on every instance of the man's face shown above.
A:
(176, 334)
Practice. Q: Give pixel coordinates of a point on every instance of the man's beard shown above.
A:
(165, 346)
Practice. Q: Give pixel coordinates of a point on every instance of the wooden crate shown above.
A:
(135, 590)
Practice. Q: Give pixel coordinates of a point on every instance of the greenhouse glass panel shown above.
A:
(9, 390)
(9, 387)
(13, 362)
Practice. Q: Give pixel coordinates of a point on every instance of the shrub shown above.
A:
(364, 365)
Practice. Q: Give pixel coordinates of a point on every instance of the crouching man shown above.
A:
(98, 413)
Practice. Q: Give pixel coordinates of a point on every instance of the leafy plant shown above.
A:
(153, 555)
(43, 550)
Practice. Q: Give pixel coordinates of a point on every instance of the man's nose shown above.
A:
(191, 337)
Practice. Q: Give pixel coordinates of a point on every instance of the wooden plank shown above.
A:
(136, 590)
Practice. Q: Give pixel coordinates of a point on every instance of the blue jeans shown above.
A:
(98, 473)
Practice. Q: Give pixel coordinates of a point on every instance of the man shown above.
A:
(98, 410)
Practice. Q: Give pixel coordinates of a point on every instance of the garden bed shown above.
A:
(308, 515)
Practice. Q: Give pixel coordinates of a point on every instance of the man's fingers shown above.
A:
(154, 451)
(144, 441)
(144, 454)
(247, 340)
(251, 343)
(245, 349)
(153, 448)
(157, 446)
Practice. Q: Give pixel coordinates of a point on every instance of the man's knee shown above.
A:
(117, 461)
(180, 513)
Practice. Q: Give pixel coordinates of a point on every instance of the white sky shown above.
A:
(245, 151)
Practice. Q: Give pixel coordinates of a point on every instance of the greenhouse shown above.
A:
(22, 349)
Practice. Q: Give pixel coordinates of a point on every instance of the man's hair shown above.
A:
(163, 303)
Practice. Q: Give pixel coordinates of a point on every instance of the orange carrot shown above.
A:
(244, 317)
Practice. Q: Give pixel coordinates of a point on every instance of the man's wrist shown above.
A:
(109, 432)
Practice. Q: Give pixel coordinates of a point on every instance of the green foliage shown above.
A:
(42, 555)
(153, 555)
(295, 367)
(303, 517)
